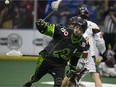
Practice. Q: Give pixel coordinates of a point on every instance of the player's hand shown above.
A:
(40, 23)
(70, 73)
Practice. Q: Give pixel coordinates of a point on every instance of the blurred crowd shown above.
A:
(20, 14)
(16, 14)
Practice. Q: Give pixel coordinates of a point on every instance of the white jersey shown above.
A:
(96, 41)
(107, 71)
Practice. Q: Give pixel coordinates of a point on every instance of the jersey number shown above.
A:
(62, 53)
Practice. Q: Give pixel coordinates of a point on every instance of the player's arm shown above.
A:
(82, 53)
(45, 27)
(72, 66)
(49, 29)
(100, 43)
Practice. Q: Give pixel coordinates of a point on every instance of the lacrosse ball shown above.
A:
(6, 1)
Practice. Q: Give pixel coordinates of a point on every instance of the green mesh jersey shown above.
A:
(63, 46)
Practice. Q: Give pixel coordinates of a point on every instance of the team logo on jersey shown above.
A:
(63, 29)
(83, 44)
(65, 33)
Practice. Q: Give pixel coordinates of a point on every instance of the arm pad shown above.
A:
(100, 43)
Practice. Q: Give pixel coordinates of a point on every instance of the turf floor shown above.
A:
(14, 73)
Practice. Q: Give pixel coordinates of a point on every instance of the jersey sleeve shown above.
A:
(82, 50)
(50, 30)
(97, 35)
(100, 43)
(54, 30)
(74, 60)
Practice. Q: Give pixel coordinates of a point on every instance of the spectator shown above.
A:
(99, 12)
(17, 14)
(41, 9)
(72, 4)
(29, 9)
(26, 14)
(110, 28)
(6, 18)
(17, 18)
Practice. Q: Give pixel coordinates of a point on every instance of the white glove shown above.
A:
(81, 63)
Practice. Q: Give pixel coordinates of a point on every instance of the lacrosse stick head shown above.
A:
(14, 53)
(55, 5)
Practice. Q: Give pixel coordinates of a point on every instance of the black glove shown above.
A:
(41, 25)
(70, 73)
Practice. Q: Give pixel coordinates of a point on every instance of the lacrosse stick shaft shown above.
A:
(54, 6)
(51, 13)
(114, 47)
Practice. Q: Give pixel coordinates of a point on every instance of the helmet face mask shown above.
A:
(78, 31)
(77, 22)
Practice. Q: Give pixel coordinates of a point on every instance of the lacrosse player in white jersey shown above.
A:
(97, 45)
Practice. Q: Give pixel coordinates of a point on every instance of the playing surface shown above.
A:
(15, 71)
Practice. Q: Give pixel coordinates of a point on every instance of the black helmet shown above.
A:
(73, 20)
(77, 21)
(83, 12)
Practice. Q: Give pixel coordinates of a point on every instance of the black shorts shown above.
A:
(47, 67)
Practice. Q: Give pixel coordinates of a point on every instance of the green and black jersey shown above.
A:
(63, 46)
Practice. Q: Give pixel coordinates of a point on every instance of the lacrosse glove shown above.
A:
(41, 25)
(70, 73)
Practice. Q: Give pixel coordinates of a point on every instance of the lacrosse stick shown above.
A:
(77, 76)
(114, 47)
(54, 6)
